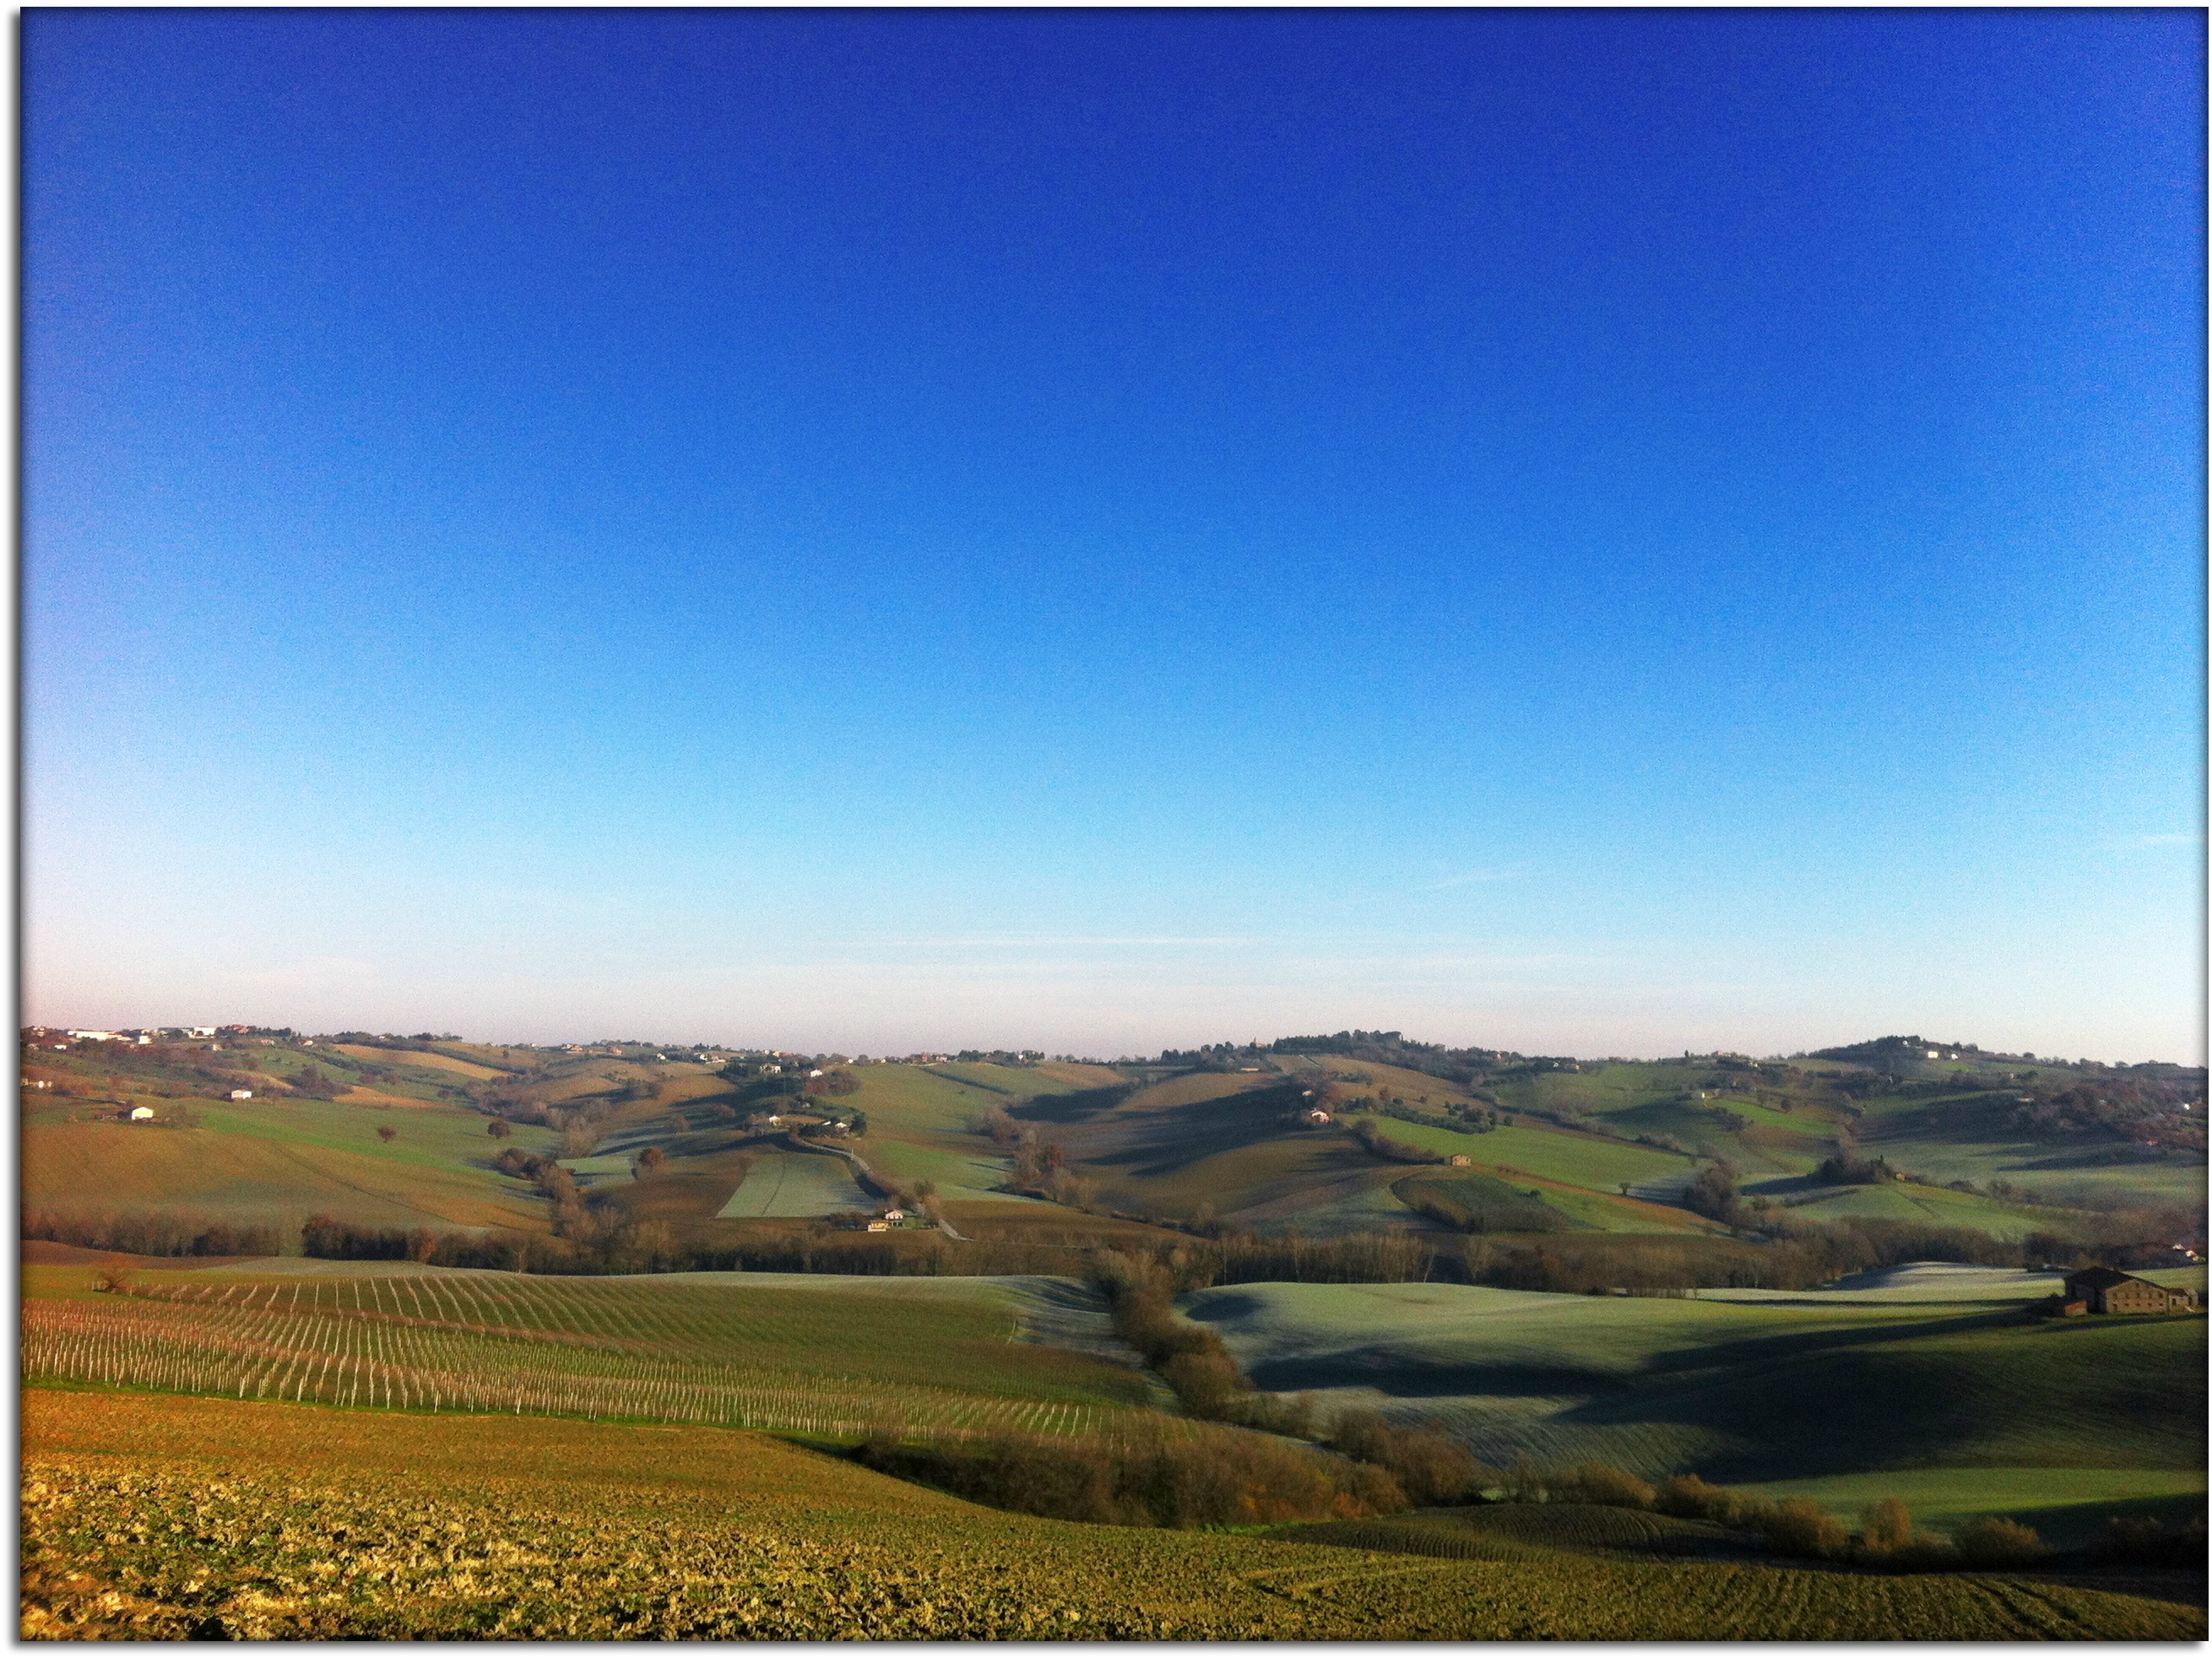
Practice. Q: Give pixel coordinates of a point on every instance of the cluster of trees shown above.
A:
(1041, 1168)
(1416, 1465)
(1221, 1479)
(1141, 1288)
(598, 1244)
(1892, 1054)
(1805, 1256)
(1887, 1537)
(1480, 1204)
(175, 1234)
(2159, 1113)
(1848, 1167)
(1370, 1136)
(1464, 1065)
(1713, 1194)
(1455, 1118)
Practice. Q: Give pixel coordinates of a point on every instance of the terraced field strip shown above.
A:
(465, 1343)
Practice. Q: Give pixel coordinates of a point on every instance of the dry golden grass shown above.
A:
(427, 1061)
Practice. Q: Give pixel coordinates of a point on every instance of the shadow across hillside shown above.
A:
(1081, 1106)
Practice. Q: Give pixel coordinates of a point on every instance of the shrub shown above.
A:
(1885, 1526)
(1603, 1484)
(1221, 1480)
(1429, 1467)
(1690, 1498)
(1990, 1541)
(2148, 1543)
(1803, 1529)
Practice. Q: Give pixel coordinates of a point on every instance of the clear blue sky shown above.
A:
(1584, 531)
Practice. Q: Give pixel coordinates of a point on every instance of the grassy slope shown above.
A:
(1963, 1138)
(413, 1060)
(1738, 1389)
(794, 1183)
(278, 1162)
(539, 1530)
(955, 1337)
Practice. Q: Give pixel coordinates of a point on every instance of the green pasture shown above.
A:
(795, 1184)
(1905, 1200)
(1585, 1160)
(966, 1173)
(1738, 1389)
(277, 1161)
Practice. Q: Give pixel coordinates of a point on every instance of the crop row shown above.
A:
(125, 1548)
(960, 1342)
(265, 1349)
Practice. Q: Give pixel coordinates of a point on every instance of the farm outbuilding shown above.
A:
(241, 1093)
(142, 1114)
(2107, 1290)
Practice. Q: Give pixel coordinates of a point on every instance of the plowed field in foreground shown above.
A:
(153, 1517)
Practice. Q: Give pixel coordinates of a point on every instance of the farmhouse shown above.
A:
(142, 1114)
(2107, 1290)
(1316, 1117)
(241, 1093)
(1460, 1160)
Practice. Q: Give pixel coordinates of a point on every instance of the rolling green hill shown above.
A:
(1742, 1386)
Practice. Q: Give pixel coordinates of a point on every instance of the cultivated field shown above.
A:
(784, 1184)
(279, 1161)
(818, 1355)
(149, 1518)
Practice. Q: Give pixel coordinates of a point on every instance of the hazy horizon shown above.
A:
(1584, 532)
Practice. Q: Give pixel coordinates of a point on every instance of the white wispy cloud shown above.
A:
(1471, 877)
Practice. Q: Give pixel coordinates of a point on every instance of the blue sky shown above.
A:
(1584, 531)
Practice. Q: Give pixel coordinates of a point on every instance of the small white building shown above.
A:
(774, 1118)
(1316, 1116)
(142, 1114)
(200, 1031)
(879, 1226)
(241, 1093)
(894, 1214)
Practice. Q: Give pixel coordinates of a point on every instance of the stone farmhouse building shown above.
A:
(2104, 1289)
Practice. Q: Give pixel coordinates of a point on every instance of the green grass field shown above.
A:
(278, 1162)
(150, 1518)
(1739, 1388)
(795, 1183)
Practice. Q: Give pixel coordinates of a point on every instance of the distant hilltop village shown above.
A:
(770, 1058)
(1897, 1056)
